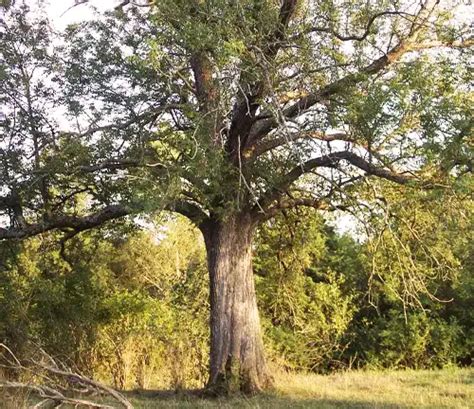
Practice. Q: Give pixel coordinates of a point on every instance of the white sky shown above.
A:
(56, 10)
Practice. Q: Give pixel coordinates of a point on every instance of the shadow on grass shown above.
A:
(469, 378)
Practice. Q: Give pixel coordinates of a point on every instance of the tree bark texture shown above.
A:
(237, 361)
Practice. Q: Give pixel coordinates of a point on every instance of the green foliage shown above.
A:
(116, 308)
(417, 312)
(131, 308)
(403, 298)
(301, 291)
(210, 108)
(416, 340)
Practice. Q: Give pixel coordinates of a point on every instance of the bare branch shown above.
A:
(266, 146)
(50, 392)
(74, 377)
(76, 3)
(353, 37)
(53, 395)
(146, 117)
(126, 2)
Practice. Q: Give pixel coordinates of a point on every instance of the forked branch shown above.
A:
(331, 160)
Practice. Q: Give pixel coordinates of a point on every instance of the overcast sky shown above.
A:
(62, 14)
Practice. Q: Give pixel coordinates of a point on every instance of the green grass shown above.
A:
(447, 388)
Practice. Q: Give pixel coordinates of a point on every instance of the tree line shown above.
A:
(130, 308)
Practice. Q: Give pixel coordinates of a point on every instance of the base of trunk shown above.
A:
(235, 382)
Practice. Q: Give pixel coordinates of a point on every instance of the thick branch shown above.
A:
(190, 210)
(206, 92)
(291, 203)
(250, 92)
(76, 223)
(287, 10)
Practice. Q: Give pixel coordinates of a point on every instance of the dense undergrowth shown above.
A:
(130, 307)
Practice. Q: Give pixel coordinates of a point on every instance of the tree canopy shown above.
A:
(202, 107)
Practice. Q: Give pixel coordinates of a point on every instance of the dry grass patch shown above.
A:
(449, 388)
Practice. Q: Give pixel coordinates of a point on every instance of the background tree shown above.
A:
(306, 304)
(413, 287)
(228, 113)
(119, 309)
(129, 308)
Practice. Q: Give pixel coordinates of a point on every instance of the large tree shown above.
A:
(227, 112)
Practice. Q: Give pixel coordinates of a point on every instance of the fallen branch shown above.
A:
(52, 392)
(76, 378)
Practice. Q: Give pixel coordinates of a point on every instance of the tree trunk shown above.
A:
(237, 361)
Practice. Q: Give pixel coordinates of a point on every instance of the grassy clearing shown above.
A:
(448, 388)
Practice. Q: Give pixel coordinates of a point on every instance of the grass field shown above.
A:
(448, 388)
